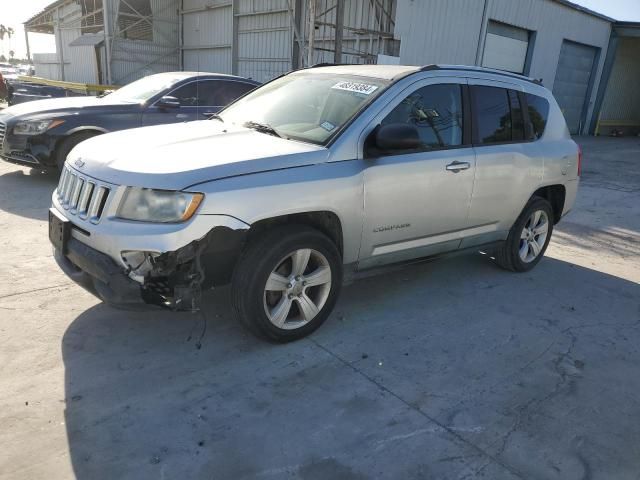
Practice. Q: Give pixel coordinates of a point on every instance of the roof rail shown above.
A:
(464, 68)
(324, 64)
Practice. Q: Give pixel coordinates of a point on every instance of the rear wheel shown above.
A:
(68, 144)
(528, 238)
(287, 282)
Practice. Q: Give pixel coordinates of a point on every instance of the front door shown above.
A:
(416, 203)
(187, 95)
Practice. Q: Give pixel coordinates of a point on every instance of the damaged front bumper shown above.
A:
(172, 280)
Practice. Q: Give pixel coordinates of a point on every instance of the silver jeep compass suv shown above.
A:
(319, 174)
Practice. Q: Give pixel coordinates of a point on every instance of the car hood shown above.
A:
(53, 105)
(174, 157)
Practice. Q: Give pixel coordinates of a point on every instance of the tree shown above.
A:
(11, 54)
(2, 58)
(8, 31)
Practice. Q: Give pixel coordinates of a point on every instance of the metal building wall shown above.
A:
(134, 59)
(367, 30)
(454, 31)
(262, 48)
(621, 106)
(79, 62)
(265, 38)
(207, 27)
(264, 45)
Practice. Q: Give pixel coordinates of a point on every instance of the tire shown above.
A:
(271, 257)
(510, 255)
(68, 144)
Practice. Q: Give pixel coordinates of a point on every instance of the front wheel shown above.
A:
(68, 144)
(528, 238)
(287, 282)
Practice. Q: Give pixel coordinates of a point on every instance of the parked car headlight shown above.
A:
(161, 206)
(35, 127)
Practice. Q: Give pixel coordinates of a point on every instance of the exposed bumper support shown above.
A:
(174, 280)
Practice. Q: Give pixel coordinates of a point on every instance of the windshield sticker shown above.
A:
(328, 126)
(356, 87)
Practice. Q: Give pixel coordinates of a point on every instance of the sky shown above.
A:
(14, 12)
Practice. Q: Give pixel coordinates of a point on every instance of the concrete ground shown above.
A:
(448, 370)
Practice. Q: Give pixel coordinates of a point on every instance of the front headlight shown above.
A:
(161, 206)
(35, 127)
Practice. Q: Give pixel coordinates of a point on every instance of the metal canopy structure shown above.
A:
(138, 37)
(254, 38)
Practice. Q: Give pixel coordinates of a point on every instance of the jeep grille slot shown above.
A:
(82, 196)
(3, 131)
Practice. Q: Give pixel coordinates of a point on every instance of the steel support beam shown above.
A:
(312, 31)
(235, 13)
(337, 56)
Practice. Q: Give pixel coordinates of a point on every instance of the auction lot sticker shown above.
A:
(356, 87)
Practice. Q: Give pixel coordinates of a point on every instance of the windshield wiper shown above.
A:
(213, 116)
(262, 128)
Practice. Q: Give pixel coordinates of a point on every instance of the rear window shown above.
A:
(538, 113)
(493, 113)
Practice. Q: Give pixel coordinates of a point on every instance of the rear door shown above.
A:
(416, 202)
(505, 172)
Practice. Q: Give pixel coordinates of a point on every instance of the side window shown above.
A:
(207, 92)
(219, 93)
(538, 114)
(493, 114)
(436, 110)
(187, 94)
(517, 117)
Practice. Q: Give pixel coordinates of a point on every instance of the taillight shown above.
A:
(579, 160)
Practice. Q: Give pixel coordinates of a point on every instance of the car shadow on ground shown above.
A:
(27, 192)
(434, 371)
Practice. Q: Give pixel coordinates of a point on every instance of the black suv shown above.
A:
(42, 133)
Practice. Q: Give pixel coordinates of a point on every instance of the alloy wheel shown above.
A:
(533, 236)
(297, 289)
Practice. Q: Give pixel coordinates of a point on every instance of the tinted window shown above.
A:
(517, 117)
(187, 94)
(436, 110)
(493, 114)
(218, 93)
(538, 114)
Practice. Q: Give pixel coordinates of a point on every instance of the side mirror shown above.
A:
(168, 102)
(397, 136)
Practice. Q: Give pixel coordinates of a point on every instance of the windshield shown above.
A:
(142, 90)
(311, 107)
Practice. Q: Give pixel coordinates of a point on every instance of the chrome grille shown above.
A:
(82, 196)
(3, 131)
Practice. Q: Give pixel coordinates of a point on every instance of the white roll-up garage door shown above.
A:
(573, 77)
(505, 47)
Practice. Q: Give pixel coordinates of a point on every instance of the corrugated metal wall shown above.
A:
(622, 101)
(360, 43)
(265, 38)
(207, 27)
(453, 31)
(47, 65)
(79, 62)
(265, 34)
(133, 59)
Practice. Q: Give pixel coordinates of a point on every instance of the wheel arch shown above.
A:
(556, 195)
(325, 221)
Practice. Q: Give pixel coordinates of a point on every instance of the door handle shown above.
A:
(455, 167)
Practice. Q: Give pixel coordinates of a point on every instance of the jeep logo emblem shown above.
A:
(79, 163)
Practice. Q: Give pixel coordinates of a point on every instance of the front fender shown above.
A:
(332, 187)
